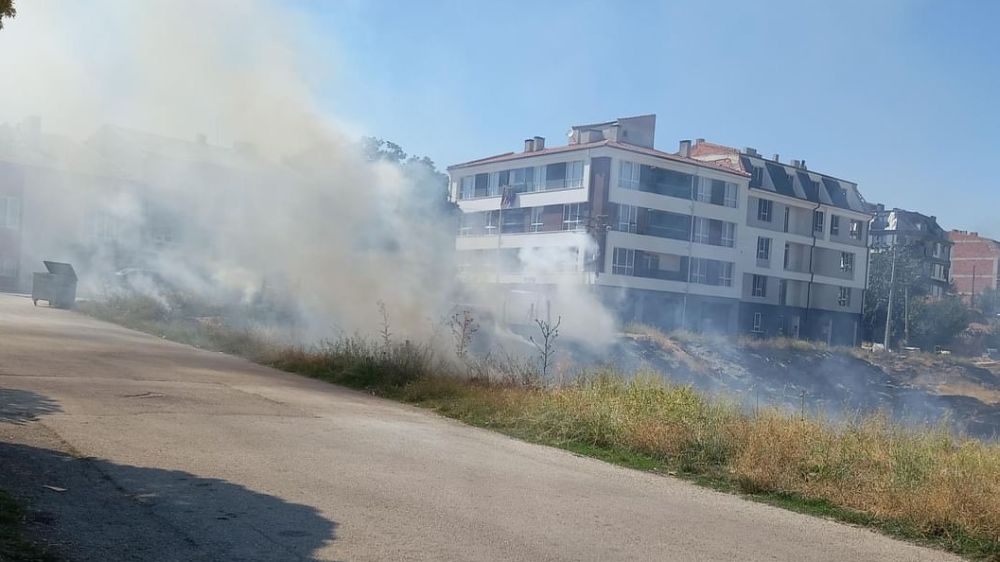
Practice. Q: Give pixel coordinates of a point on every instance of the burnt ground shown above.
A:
(838, 383)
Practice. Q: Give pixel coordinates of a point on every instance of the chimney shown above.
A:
(539, 143)
(796, 164)
(750, 151)
(529, 145)
(776, 159)
(699, 141)
(802, 164)
(685, 149)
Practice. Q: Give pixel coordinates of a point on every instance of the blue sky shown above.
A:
(901, 97)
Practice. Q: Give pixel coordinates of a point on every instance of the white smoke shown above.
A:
(297, 208)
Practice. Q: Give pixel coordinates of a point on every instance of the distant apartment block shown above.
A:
(925, 240)
(690, 239)
(975, 263)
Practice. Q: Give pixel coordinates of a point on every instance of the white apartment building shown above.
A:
(805, 247)
(666, 239)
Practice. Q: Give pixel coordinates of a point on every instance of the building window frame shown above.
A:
(758, 323)
(857, 227)
(844, 297)
(834, 225)
(623, 261)
(765, 210)
(818, 221)
(847, 262)
(758, 286)
(763, 248)
(628, 175)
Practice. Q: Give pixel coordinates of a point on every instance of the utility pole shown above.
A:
(906, 314)
(892, 289)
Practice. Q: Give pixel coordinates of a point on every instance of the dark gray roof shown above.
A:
(828, 191)
(780, 180)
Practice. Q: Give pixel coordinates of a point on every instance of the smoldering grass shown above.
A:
(923, 484)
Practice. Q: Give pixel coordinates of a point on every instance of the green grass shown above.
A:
(924, 486)
(13, 548)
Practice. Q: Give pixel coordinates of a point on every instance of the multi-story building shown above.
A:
(924, 241)
(653, 233)
(806, 242)
(975, 263)
(672, 239)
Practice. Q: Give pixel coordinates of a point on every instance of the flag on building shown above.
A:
(508, 198)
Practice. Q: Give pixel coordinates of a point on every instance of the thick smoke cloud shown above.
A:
(295, 207)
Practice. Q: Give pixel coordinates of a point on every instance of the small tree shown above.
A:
(463, 327)
(938, 322)
(546, 348)
(6, 10)
(384, 332)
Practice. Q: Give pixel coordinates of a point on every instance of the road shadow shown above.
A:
(92, 509)
(21, 406)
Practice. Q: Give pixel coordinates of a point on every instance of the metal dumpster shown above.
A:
(57, 287)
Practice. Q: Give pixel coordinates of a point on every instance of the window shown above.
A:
(757, 177)
(468, 189)
(699, 271)
(573, 214)
(482, 187)
(728, 234)
(788, 213)
(665, 224)
(10, 212)
(758, 323)
(856, 227)
(818, 221)
(628, 218)
(844, 298)
(522, 179)
(730, 196)
(834, 225)
(764, 209)
(491, 222)
(847, 261)
(788, 251)
(711, 272)
(717, 192)
(493, 189)
(623, 262)
(701, 230)
(514, 220)
(563, 175)
(783, 292)
(726, 274)
(763, 248)
(536, 224)
(574, 174)
(759, 286)
(628, 175)
(666, 182)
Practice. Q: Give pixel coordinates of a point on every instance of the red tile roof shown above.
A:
(623, 146)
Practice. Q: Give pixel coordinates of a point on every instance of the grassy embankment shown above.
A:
(926, 486)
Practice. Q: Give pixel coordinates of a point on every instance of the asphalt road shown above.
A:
(127, 447)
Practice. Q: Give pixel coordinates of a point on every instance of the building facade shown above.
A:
(671, 239)
(807, 237)
(925, 241)
(975, 263)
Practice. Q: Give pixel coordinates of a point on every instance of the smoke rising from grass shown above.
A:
(296, 210)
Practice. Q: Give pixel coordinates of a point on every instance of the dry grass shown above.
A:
(921, 484)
